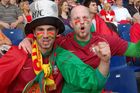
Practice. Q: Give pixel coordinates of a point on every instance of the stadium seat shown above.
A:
(122, 80)
(15, 35)
(124, 30)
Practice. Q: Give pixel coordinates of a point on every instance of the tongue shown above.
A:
(45, 43)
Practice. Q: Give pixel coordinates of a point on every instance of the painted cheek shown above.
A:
(51, 35)
(77, 21)
(39, 34)
(86, 21)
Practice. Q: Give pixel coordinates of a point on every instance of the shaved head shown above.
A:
(78, 10)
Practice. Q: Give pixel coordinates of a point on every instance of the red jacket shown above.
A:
(102, 28)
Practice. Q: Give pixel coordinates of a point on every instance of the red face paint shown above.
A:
(51, 35)
(76, 21)
(86, 19)
(39, 34)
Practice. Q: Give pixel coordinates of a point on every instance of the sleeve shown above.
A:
(102, 12)
(76, 73)
(135, 33)
(10, 65)
(18, 11)
(117, 45)
(136, 50)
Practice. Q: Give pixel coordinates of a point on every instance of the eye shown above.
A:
(76, 21)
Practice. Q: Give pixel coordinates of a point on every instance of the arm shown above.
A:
(19, 18)
(18, 21)
(133, 49)
(10, 65)
(5, 25)
(76, 73)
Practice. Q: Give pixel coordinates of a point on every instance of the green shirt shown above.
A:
(79, 77)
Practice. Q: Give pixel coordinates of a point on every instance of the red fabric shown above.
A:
(135, 32)
(102, 28)
(109, 15)
(16, 72)
(30, 36)
(117, 45)
(124, 22)
(29, 18)
(10, 65)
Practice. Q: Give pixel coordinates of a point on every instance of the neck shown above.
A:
(26, 12)
(64, 15)
(119, 6)
(92, 15)
(83, 39)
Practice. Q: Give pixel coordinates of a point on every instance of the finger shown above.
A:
(103, 45)
(29, 49)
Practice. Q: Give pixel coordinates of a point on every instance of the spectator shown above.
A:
(10, 15)
(121, 13)
(64, 15)
(135, 29)
(108, 16)
(24, 5)
(99, 25)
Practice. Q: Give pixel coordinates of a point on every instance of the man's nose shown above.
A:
(45, 35)
(81, 21)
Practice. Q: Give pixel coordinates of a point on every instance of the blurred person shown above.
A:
(64, 16)
(135, 29)
(108, 16)
(25, 7)
(121, 14)
(98, 25)
(13, 2)
(10, 15)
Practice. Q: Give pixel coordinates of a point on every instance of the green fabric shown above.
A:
(133, 50)
(92, 29)
(79, 77)
(82, 43)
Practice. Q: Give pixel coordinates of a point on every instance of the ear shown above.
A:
(57, 30)
(34, 33)
(71, 24)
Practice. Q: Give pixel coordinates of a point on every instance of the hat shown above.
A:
(44, 12)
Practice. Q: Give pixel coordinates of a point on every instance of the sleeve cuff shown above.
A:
(101, 79)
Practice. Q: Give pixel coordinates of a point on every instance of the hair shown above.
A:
(21, 4)
(107, 6)
(60, 6)
(87, 2)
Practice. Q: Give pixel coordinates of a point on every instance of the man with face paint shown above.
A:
(39, 72)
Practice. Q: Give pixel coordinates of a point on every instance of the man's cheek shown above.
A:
(51, 35)
(39, 35)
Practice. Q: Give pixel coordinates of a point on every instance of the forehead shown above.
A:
(45, 27)
(93, 3)
(79, 12)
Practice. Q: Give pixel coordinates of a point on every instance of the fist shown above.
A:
(102, 50)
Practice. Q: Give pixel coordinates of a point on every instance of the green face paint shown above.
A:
(39, 35)
(51, 35)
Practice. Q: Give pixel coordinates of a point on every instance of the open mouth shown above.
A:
(82, 28)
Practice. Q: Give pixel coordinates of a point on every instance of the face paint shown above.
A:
(39, 34)
(86, 20)
(51, 35)
(76, 21)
